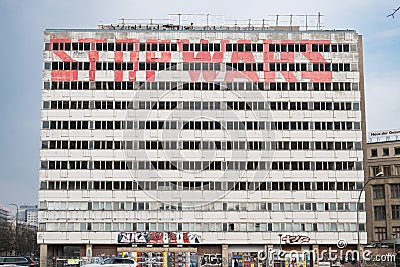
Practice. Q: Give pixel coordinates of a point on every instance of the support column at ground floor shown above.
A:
(225, 254)
(89, 252)
(43, 255)
(315, 249)
(268, 252)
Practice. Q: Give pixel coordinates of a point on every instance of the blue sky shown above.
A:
(23, 23)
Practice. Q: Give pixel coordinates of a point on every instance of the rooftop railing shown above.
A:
(203, 22)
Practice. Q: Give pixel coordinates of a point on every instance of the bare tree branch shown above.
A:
(22, 242)
(392, 14)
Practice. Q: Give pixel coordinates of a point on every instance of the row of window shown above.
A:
(381, 233)
(201, 145)
(205, 66)
(199, 206)
(201, 165)
(310, 105)
(200, 105)
(236, 86)
(202, 125)
(117, 46)
(386, 170)
(385, 151)
(74, 65)
(200, 227)
(378, 191)
(314, 48)
(253, 47)
(312, 67)
(195, 186)
(201, 47)
(380, 212)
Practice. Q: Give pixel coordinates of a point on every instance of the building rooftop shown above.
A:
(210, 22)
(383, 136)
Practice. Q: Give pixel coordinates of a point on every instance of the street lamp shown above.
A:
(394, 248)
(280, 250)
(358, 215)
(16, 228)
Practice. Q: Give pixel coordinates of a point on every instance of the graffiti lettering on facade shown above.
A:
(159, 237)
(229, 61)
(211, 259)
(290, 239)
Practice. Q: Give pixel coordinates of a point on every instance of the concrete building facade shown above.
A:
(210, 143)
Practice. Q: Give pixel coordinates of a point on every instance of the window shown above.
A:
(385, 151)
(380, 233)
(396, 170)
(396, 231)
(379, 213)
(374, 171)
(378, 191)
(395, 190)
(374, 152)
(397, 150)
(395, 212)
(386, 170)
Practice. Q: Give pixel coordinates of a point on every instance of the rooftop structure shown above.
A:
(210, 22)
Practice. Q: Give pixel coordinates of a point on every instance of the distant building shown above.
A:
(4, 214)
(28, 214)
(383, 193)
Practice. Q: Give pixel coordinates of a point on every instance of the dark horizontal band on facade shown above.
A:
(202, 125)
(198, 206)
(202, 165)
(198, 186)
(201, 86)
(203, 47)
(200, 66)
(246, 227)
(198, 105)
(204, 145)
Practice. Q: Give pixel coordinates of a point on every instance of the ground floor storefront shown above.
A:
(200, 255)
